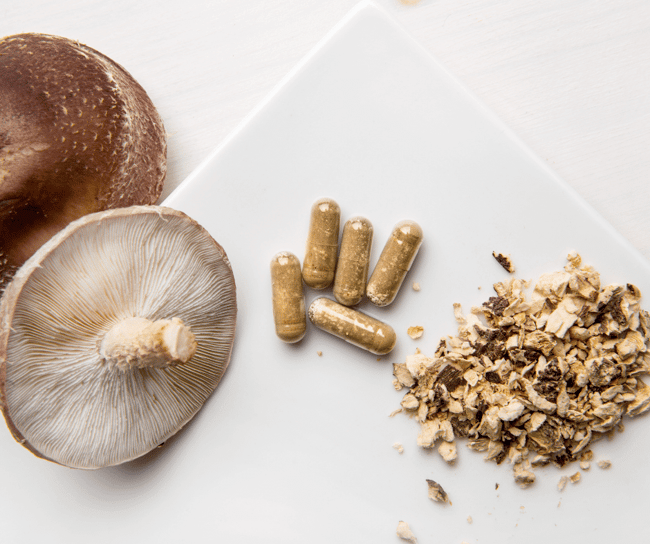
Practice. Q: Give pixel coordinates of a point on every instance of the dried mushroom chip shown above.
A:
(402, 375)
(534, 380)
(436, 492)
(405, 533)
(505, 261)
(447, 451)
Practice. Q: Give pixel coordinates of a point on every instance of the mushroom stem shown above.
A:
(137, 342)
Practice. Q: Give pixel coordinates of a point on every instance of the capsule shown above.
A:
(352, 326)
(354, 259)
(394, 262)
(288, 297)
(319, 264)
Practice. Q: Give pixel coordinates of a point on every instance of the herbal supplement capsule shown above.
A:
(394, 262)
(352, 326)
(354, 258)
(322, 244)
(288, 297)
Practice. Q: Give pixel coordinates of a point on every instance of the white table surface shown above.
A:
(570, 77)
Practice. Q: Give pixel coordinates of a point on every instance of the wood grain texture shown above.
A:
(570, 77)
(571, 80)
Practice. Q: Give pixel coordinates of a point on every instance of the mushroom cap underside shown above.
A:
(59, 397)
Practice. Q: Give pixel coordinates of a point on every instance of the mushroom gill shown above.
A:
(114, 334)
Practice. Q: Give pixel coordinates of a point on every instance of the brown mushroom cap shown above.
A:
(77, 135)
(145, 272)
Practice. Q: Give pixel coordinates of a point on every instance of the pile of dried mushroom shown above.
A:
(534, 381)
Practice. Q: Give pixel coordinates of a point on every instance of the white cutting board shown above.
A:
(295, 447)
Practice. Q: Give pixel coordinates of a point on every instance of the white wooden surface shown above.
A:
(570, 77)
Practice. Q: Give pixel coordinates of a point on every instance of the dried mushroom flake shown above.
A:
(405, 533)
(534, 380)
(436, 492)
(504, 261)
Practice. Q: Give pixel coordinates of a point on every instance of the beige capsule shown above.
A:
(354, 260)
(319, 265)
(394, 262)
(288, 297)
(352, 326)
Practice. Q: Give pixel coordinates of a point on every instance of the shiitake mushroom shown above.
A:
(113, 335)
(78, 134)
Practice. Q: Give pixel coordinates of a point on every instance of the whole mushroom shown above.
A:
(114, 333)
(78, 135)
